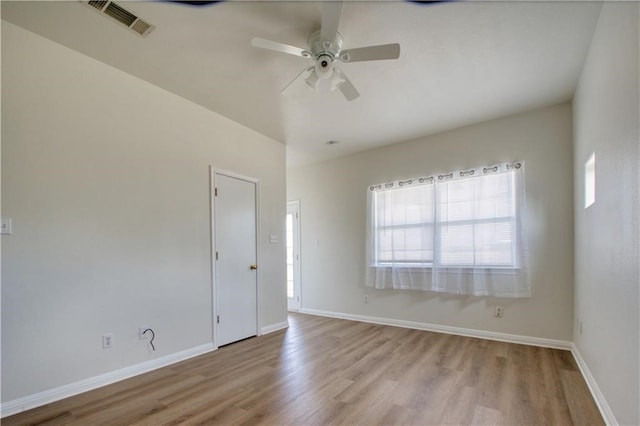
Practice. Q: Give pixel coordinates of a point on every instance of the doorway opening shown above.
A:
(293, 256)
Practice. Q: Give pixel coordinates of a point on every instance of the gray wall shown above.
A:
(607, 233)
(333, 208)
(106, 178)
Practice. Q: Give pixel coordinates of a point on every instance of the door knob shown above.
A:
(253, 267)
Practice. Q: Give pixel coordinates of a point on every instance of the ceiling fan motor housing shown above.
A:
(325, 53)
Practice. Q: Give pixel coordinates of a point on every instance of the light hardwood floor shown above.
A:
(330, 371)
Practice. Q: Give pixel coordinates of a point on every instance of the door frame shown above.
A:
(297, 274)
(213, 171)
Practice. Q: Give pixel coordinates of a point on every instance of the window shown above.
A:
(404, 225)
(476, 222)
(590, 180)
(461, 233)
(475, 225)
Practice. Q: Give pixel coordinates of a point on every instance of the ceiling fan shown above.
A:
(325, 48)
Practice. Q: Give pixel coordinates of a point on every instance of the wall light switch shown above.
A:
(273, 239)
(5, 226)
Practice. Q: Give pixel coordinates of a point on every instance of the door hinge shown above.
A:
(215, 192)
(218, 319)
(216, 255)
(296, 215)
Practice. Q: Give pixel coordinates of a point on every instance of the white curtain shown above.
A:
(462, 232)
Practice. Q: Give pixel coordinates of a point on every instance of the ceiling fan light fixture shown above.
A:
(336, 80)
(324, 66)
(312, 80)
(325, 84)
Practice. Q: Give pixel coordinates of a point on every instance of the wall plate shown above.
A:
(5, 226)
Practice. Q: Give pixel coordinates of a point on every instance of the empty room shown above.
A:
(301, 212)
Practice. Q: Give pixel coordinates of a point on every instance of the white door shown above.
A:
(235, 256)
(293, 255)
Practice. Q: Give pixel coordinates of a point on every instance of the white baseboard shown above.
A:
(468, 332)
(51, 395)
(45, 397)
(599, 398)
(601, 402)
(274, 327)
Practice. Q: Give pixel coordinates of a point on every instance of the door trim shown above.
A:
(213, 171)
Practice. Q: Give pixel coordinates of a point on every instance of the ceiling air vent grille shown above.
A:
(141, 27)
(98, 4)
(122, 15)
(119, 14)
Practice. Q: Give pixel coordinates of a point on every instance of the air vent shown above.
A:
(119, 14)
(122, 15)
(141, 27)
(98, 4)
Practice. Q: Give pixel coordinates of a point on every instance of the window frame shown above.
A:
(437, 225)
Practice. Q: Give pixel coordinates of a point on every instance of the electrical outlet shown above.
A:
(107, 341)
(498, 312)
(366, 298)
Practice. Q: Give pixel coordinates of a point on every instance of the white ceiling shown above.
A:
(460, 63)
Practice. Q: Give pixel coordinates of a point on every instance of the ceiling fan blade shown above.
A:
(306, 70)
(279, 47)
(331, 11)
(371, 53)
(346, 87)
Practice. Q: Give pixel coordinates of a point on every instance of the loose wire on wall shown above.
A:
(153, 336)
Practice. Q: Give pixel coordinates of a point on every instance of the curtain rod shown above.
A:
(491, 169)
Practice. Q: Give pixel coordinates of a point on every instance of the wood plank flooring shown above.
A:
(330, 371)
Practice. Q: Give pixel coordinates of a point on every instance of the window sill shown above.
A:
(452, 269)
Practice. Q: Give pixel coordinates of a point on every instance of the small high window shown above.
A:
(590, 180)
